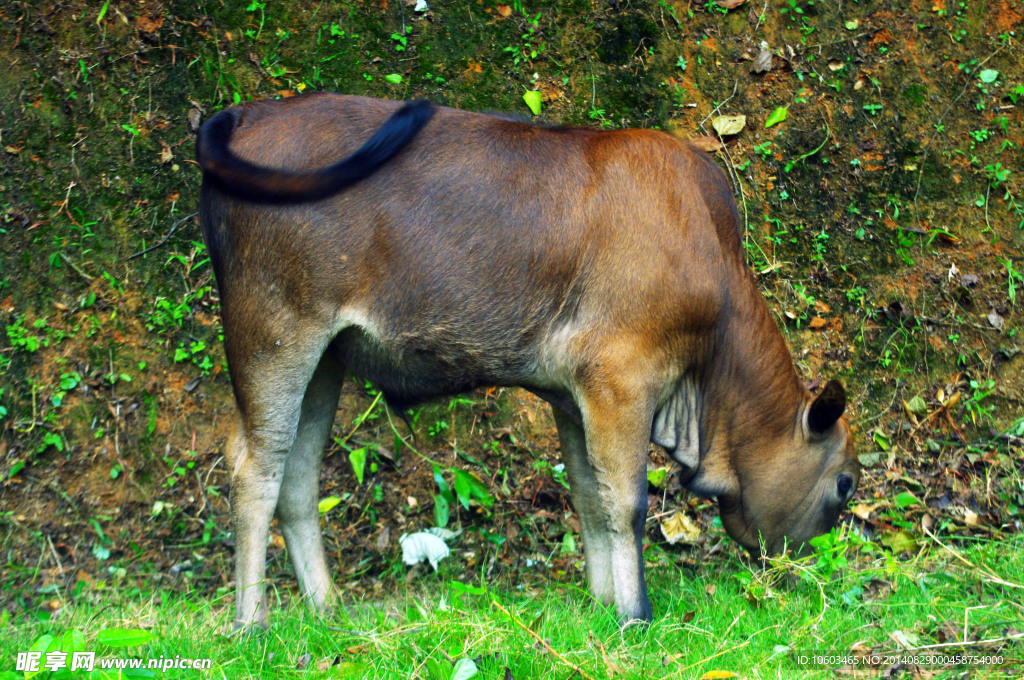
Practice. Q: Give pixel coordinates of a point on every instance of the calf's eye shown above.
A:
(844, 484)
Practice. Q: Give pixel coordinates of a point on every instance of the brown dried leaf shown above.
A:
(504, 10)
(863, 510)
(762, 62)
(728, 125)
(680, 528)
(614, 669)
(384, 538)
(708, 144)
(149, 24)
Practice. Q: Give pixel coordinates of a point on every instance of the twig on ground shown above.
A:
(78, 270)
(165, 239)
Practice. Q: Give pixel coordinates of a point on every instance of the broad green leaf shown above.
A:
(917, 406)
(900, 541)
(462, 488)
(73, 641)
(441, 510)
(358, 460)
(443, 486)
(124, 637)
(477, 489)
(656, 477)
(778, 115)
(533, 100)
(468, 487)
(327, 504)
(881, 438)
(989, 75)
(568, 543)
(852, 25)
(44, 645)
(435, 669)
(906, 499)
(393, 78)
(464, 669)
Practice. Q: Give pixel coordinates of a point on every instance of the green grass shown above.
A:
(726, 615)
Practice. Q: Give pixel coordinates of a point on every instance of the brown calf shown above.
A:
(601, 270)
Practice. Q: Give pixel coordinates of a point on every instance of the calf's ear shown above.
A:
(826, 408)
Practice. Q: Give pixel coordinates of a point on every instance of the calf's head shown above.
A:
(794, 487)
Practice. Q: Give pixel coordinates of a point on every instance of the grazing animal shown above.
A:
(432, 251)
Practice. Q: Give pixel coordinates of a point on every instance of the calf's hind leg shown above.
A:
(297, 509)
(586, 499)
(269, 388)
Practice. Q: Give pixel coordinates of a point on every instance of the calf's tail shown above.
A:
(238, 177)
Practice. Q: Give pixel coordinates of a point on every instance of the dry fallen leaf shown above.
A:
(729, 4)
(728, 125)
(762, 62)
(147, 24)
(817, 322)
(504, 10)
(614, 669)
(863, 510)
(678, 528)
(708, 144)
(384, 538)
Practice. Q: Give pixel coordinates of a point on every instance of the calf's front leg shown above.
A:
(617, 424)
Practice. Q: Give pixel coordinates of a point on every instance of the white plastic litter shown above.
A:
(422, 546)
(442, 533)
(421, 6)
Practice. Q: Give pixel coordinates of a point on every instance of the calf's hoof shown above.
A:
(639, 614)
